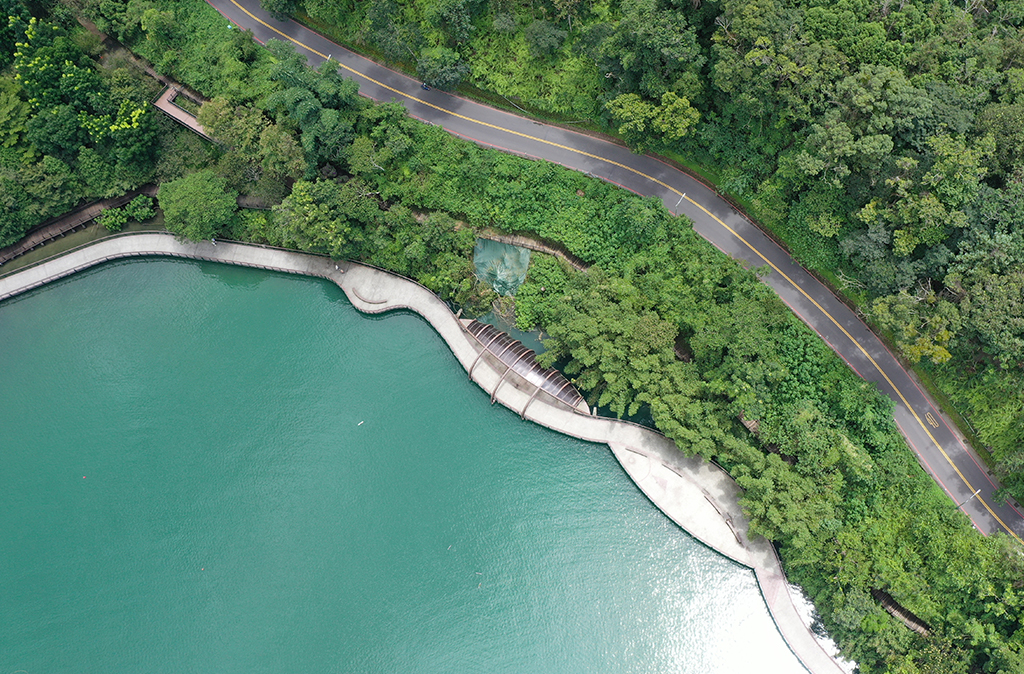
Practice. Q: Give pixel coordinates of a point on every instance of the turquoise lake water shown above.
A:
(216, 469)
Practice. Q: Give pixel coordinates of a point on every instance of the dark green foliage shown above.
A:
(180, 153)
(198, 206)
(450, 17)
(56, 130)
(280, 9)
(544, 38)
(322, 103)
(652, 50)
(15, 216)
(398, 41)
(32, 193)
(441, 67)
(9, 30)
(1006, 124)
(437, 251)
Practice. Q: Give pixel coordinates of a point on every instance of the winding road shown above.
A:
(940, 449)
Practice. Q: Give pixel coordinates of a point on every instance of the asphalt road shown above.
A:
(939, 448)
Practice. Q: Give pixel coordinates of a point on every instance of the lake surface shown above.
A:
(216, 469)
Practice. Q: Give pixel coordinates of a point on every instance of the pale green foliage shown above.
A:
(832, 147)
(159, 25)
(14, 113)
(140, 208)
(113, 219)
(644, 124)
(282, 156)
(324, 217)
(237, 126)
(363, 156)
(923, 325)
(958, 169)
(262, 157)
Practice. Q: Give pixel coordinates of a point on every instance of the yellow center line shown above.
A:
(455, 114)
(681, 194)
(866, 355)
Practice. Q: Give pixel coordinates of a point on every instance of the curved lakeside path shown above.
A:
(698, 496)
(939, 447)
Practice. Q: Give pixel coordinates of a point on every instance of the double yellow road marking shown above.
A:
(931, 419)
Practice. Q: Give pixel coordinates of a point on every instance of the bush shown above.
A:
(114, 219)
(441, 67)
(504, 23)
(140, 208)
(544, 38)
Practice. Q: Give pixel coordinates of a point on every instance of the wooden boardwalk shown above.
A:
(69, 222)
(165, 103)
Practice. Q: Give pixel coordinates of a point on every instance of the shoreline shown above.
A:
(698, 496)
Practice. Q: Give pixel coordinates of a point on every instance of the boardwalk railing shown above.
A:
(68, 223)
(165, 104)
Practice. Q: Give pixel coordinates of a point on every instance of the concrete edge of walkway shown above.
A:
(698, 496)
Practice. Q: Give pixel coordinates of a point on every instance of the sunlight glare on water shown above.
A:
(215, 469)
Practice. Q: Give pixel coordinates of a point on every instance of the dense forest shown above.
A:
(70, 129)
(661, 324)
(883, 141)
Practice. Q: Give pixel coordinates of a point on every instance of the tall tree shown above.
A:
(441, 67)
(13, 14)
(198, 206)
(280, 9)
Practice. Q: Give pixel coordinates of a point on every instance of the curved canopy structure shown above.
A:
(523, 362)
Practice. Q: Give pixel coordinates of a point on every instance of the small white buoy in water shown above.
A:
(360, 423)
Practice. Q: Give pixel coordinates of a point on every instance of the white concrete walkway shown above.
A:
(700, 497)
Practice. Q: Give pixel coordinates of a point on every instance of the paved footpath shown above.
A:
(700, 497)
(938, 446)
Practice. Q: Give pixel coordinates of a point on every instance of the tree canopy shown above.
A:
(199, 206)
